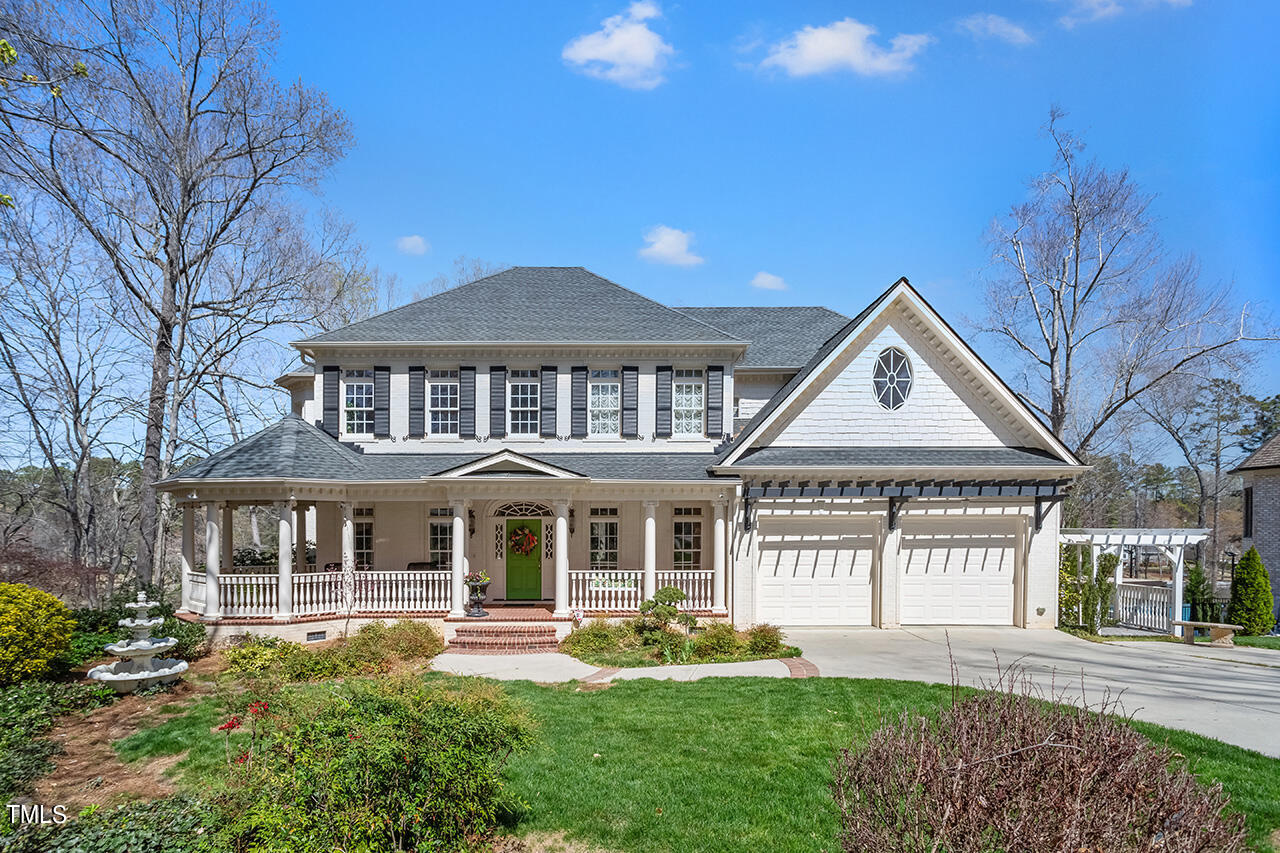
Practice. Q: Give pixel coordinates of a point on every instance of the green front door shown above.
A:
(524, 572)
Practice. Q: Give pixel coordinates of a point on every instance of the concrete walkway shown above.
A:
(1229, 694)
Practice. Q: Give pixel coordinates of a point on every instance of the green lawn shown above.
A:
(1259, 642)
(719, 764)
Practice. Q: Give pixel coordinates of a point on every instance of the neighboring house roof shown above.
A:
(898, 457)
(1266, 456)
(779, 337)
(530, 305)
(735, 448)
(294, 449)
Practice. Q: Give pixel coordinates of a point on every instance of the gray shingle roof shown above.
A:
(295, 449)
(903, 457)
(1266, 456)
(779, 337)
(531, 304)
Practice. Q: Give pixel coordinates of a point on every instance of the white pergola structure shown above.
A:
(1140, 605)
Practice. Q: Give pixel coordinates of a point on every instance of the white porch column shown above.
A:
(284, 571)
(348, 557)
(650, 549)
(718, 556)
(1119, 567)
(188, 553)
(1177, 590)
(561, 547)
(457, 590)
(212, 558)
(300, 539)
(891, 542)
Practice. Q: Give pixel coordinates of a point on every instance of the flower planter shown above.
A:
(478, 591)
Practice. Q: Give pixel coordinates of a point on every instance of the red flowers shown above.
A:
(233, 723)
(258, 709)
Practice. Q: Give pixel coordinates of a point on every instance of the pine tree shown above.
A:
(1251, 601)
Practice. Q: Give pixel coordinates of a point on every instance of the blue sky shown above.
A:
(787, 138)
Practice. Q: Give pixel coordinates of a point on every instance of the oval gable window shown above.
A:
(891, 378)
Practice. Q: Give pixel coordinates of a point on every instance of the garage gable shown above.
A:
(896, 376)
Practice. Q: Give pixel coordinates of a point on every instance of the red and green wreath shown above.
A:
(522, 541)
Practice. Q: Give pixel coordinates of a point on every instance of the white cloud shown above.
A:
(844, 46)
(995, 26)
(768, 281)
(412, 244)
(1087, 11)
(669, 246)
(624, 50)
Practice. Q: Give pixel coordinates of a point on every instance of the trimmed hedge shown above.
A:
(1251, 602)
(35, 631)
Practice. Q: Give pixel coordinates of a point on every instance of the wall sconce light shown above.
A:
(571, 521)
(471, 522)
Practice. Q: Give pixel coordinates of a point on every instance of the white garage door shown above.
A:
(813, 573)
(957, 579)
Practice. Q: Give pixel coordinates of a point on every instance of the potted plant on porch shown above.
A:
(478, 586)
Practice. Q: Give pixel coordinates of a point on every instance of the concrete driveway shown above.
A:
(1229, 694)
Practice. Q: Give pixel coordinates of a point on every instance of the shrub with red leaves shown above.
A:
(1003, 770)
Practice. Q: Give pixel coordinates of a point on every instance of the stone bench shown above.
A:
(1220, 633)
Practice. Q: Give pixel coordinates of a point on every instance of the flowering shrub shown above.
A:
(35, 630)
(396, 764)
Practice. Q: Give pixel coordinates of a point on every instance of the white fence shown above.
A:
(696, 585)
(605, 590)
(1144, 606)
(256, 595)
(248, 595)
(410, 592)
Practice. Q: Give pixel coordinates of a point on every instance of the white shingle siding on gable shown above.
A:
(940, 410)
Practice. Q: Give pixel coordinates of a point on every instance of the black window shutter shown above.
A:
(630, 402)
(662, 423)
(381, 402)
(330, 407)
(466, 402)
(417, 402)
(578, 411)
(715, 401)
(1248, 513)
(497, 402)
(547, 401)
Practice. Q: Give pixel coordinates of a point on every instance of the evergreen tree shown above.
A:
(1198, 593)
(1251, 601)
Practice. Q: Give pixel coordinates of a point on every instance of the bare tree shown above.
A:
(177, 146)
(465, 271)
(1085, 293)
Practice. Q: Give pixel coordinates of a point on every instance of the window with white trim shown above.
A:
(604, 538)
(362, 524)
(604, 403)
(687, 538)
(522, 404)
(891, 378)
(688, 402)
(442, 400)
(440, 537)
(359, 401)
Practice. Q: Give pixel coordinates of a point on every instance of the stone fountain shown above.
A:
(138, 667)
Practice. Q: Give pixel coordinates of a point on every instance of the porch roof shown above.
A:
(898, 457)
(293, 449)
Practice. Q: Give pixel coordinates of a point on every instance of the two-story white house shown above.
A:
(584, 445)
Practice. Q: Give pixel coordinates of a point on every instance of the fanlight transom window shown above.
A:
(522, 509)
(891, 378)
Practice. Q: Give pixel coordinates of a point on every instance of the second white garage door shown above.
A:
(957, 578)
(813, 573)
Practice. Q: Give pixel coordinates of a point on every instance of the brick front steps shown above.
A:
(491, 639)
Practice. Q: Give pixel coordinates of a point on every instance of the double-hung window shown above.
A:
(604, 403)
(688, 399)
(523, 407)
(442, 397)
(362, 517)
(440, 537)
(687, 538)
(359, 401)
(604, 538)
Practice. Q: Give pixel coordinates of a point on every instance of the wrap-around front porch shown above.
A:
(368, 553)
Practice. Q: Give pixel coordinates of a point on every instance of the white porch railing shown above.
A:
(195, 592)
(317, 592)
(696, 585)
(248, 595)
(1144, 606)
(605, 590)
(402, 591)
